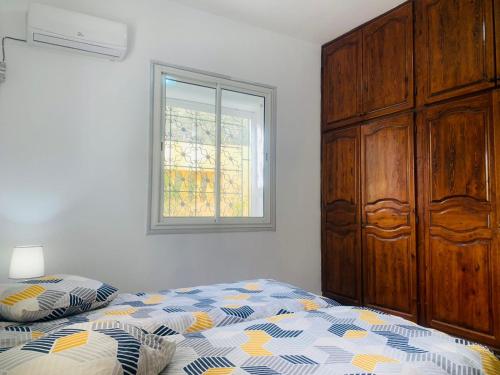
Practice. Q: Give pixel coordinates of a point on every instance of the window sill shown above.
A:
(209, 228)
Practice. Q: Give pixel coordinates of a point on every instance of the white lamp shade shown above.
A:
(27, 262)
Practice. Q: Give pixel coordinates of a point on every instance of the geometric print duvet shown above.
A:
(335, 340)
(189, 310)
(177, 311)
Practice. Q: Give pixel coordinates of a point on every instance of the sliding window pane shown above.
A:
(242, 155)
(189, 150)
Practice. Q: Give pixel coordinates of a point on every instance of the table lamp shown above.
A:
(27, 262)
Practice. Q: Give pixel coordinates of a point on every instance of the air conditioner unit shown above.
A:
(77, 32)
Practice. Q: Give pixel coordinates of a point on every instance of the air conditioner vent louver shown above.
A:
(76, 45)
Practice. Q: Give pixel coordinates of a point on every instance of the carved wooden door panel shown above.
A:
(454, 48)
(388, 63)
(388, 216)
(496, 10)
(341, 81)
(460, 248)
(341, 240)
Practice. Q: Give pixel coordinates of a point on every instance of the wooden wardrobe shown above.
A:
(410, 135)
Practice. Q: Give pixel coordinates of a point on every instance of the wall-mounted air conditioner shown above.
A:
(54, 27)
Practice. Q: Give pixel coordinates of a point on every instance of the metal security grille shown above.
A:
(190, 158)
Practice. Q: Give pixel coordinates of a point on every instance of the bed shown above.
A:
(335, 340)
(257, 327)
(186, 310)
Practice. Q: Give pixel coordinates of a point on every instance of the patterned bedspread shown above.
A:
(337, 340)
(187, 310)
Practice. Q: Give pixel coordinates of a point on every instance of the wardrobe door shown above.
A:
(495, 259)
(341, 234)
(341, 67)
(461, 254)
(388, 216)
(496, 10)
(496, 130)
(388, 63)
(455, 52)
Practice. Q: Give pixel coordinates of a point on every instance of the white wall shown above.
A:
(74, 151)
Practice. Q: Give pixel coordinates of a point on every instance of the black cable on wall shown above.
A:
(3, 44)
(3, 65)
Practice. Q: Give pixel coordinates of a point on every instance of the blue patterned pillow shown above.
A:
(52, 297)
(107, 347)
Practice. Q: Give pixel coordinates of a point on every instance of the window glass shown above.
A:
(189, 150)
(242, 155)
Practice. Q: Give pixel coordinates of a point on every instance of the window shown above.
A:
(212, 153)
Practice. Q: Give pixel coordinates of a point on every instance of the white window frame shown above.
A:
(156, 223)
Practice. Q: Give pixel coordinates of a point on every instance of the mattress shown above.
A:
(187, 310)
(336, 340)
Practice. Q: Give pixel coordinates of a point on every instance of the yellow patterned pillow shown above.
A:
(52, 297)
(107, 347)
